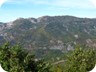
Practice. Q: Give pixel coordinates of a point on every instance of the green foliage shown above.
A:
(15, 59)
(57, 68)
(81, 60)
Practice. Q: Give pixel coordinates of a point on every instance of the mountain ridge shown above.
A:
(50, 32)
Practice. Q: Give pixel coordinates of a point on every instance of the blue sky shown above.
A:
(13, 9)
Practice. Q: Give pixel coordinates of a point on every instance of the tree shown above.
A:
(16, 59)
(81, 60)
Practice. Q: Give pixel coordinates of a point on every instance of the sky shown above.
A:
(13, 9)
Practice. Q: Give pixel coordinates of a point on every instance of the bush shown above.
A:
(16, 59)
(81, 60)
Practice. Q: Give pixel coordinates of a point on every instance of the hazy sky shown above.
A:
(12, 9)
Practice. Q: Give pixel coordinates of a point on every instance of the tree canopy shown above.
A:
(16, 59)
(81, 60)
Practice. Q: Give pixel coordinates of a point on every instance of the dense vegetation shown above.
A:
(81, 60)
(17, 59)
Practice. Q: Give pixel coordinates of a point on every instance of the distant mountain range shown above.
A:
(50, 32)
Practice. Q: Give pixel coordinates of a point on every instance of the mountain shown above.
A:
(50, 32)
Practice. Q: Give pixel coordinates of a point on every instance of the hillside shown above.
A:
(58, 33)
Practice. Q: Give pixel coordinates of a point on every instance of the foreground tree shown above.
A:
(16, 59)
(81, 60)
